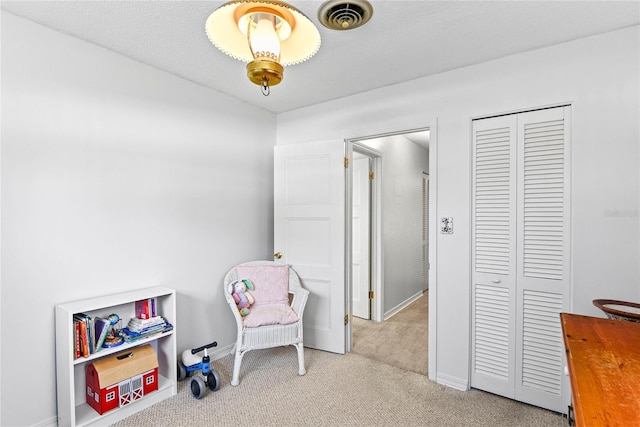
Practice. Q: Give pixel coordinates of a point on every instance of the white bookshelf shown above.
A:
(70, 372)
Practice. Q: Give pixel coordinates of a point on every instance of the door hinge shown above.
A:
(346, 319)
(372, 175)
(346, 162)
(371, 294)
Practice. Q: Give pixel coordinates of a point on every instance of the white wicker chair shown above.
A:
(268, 336)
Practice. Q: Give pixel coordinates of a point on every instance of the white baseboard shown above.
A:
(402, 305)
(221, 352)
(216, 353)
(51, 422)
(453, 382)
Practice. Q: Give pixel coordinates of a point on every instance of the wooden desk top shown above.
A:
(604, 366)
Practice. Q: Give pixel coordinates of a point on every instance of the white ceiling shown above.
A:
(404, 40)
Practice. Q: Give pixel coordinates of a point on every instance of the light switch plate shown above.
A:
(446, 225)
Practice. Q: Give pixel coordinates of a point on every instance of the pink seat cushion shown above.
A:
(270, 314)
(271, 283)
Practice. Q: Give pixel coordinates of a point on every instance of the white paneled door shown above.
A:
(521, 247)
(309, 227)
(360, 214)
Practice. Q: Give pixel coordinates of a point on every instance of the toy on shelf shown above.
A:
(114, 336)
(191, 362)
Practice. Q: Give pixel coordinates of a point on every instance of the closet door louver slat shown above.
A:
(543, 191)
(542, 342)
(493, 200)
(492, 331)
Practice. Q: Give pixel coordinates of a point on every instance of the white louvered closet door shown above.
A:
(542, 279)
(494, 249)
(521, 255)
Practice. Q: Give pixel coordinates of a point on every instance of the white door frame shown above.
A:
(425, 177)
(350, 139)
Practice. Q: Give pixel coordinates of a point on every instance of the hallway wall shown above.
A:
(403, 165)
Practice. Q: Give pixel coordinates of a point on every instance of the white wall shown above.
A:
(600, 77)
(117, 176)
(403, 165)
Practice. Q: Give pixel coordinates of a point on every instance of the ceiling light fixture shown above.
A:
(267, 34)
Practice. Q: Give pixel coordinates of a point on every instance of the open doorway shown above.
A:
(390, 244)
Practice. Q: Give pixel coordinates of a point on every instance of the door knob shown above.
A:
(277, 255)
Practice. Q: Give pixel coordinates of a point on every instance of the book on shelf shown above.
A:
(146, 308)
(136, 324)
(84, 334)
(77, 339)
(101, 328)
(132, 336)
(89, 333)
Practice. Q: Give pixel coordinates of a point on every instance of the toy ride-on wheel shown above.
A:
(182, 371)
(197, 387)
(213, 380)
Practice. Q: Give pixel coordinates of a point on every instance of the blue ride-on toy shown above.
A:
(191, 363)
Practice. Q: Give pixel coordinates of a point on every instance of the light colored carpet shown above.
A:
(338, 390)
(399, 341)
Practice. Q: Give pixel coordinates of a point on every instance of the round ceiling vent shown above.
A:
(345, 14)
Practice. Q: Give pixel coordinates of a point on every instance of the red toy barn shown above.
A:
(122, 378)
